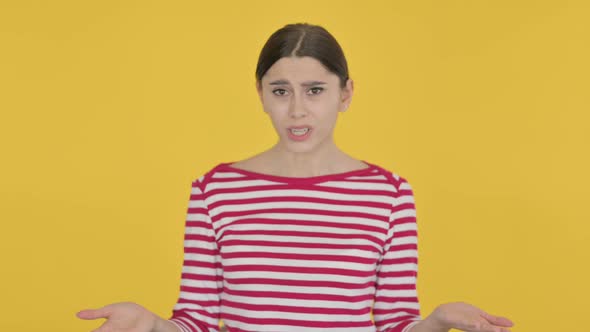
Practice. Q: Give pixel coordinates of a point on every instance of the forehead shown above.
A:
(296, 69)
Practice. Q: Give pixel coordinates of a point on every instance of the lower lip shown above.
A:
(299, 138)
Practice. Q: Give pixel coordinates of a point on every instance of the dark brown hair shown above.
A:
(303, 39)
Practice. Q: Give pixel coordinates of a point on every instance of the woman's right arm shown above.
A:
(165, 325)
(128, 316)
(198, 305)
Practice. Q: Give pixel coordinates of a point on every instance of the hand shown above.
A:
(122, 317)
(465, 317)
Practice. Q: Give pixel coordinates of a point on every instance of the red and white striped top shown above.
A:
(268, 253)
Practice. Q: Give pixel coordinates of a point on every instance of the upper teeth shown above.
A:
(299, 132)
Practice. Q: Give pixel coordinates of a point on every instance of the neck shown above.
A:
(323, 160)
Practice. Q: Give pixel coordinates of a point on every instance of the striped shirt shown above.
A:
(267, 253)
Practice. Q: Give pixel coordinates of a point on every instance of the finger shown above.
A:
(487, 327)
(476, 326)
(94, 313)
(498, 320)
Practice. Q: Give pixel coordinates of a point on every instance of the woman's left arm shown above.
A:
(396, 307)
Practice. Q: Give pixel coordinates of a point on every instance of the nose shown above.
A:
(296, 108)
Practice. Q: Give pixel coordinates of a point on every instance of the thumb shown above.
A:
(103, 312)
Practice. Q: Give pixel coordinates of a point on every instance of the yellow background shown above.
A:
(109, 109)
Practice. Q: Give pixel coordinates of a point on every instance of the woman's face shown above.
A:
(303, 99)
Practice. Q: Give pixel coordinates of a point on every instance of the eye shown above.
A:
(318, 89)
(282, 92)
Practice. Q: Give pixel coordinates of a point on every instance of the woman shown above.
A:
(301, 237)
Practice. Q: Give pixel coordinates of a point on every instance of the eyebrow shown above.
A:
(285, 82)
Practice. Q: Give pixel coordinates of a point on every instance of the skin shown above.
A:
(295, 102)
(289, 104)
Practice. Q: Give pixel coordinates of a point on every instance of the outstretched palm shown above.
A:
(121, 317)
(465, 317)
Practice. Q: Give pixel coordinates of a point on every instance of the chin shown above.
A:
(299, 147)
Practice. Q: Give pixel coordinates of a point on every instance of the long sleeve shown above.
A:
(197, 308)
(396, 307)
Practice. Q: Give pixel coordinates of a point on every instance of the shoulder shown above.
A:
(202, 179)
(398, 182)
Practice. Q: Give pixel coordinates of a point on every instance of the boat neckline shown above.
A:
(296, 179)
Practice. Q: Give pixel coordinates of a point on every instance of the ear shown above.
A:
(346, 95)
(259, 90)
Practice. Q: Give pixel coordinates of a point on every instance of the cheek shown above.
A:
(275, 106)
(277, 112)
(326, 113)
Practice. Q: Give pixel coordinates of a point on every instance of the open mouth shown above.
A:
(299, 133)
